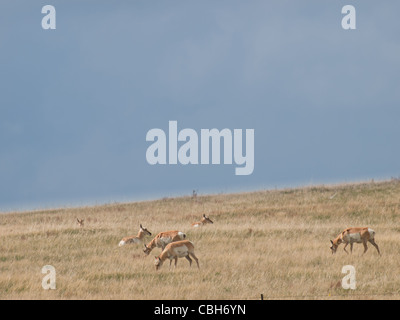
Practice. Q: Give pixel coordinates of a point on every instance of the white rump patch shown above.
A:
(121, 243)
(181, 235)
(371, 233)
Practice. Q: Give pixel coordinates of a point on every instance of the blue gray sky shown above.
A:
(76, 102)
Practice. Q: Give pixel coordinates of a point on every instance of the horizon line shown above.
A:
(177, 196)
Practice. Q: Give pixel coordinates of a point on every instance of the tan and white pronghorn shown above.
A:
(202, 222)
(355, 235)
(162, 239)
(175, 250)
(139, 238)
(80, 222)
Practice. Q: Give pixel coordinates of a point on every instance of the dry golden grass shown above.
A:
(270, 242)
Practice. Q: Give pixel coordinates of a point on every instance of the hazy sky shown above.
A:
(76, 102)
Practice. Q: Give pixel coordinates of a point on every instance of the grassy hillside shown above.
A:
(270, 242)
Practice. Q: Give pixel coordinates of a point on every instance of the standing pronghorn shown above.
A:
(175, 250)
(357, 235)
(135, 239)
(164, 238)
(202, 222)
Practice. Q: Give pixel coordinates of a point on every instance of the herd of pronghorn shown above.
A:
(174, 244)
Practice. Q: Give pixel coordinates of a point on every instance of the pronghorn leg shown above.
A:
(195, 259)
(365, 246)
(345, 247)
(176, 261)
(190, 260)
(372, 241)
(351, 247)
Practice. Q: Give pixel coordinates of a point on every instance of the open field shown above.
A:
(272, 242)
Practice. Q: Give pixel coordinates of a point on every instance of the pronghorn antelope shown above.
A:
(175, 250)
(355, 235)
(202, 222)
(135, 239)
(80, 222)
(162, 239)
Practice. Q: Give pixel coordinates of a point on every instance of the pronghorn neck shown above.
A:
(338, 240)
(164, 255)
(152, 244)
(140, 234)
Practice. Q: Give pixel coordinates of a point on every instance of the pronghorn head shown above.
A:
(80, 222)
(206, 219)
(145, 231)
(334, 247)
(146, 250)
(158, 262)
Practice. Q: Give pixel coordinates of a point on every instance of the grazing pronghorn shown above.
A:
(355, 235)
(162, 239)
(175, 250)
(80, 222)
(202, 222)
(135, 239)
